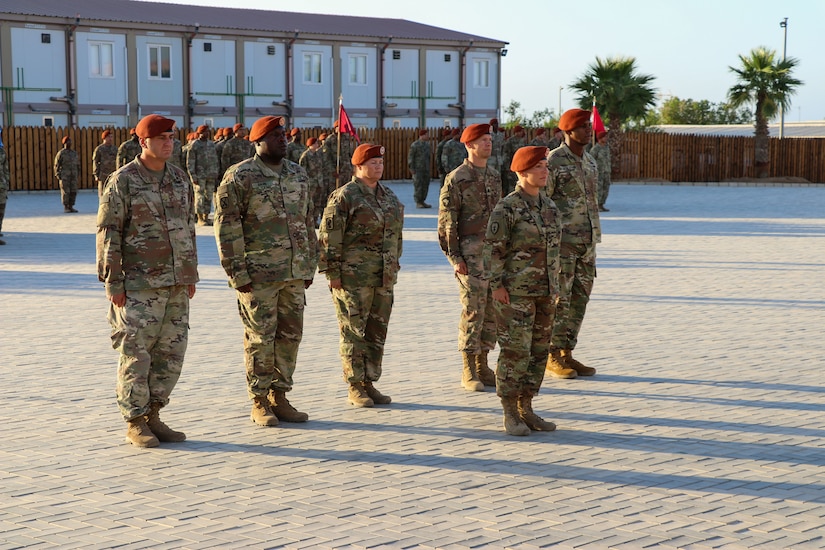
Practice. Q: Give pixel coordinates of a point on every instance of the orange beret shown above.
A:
(335, 124)
(573, 118)
(202, 128)
(237, 127)
(131, 131)
(527, 157)
(423, 133)
(218, 132)
(311, 142)
(153, 125)
(65, 139)
(105, 134)
(365, 152)
(294, 131)
(265, 125)
(228, 131)
(192, 135)
(323, 136)
(493, 121)
(474, 131)
(517, 128)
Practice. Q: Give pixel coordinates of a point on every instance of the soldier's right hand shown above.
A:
(460, 268)
(245, 288)
(119, 300)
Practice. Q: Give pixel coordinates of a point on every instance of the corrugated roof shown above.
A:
(159, 13)
(792, 129)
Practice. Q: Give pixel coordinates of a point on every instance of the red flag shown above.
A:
(344, 124)
(598, 125)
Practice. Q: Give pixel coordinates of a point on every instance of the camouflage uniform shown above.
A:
(295, 149)
(104, 162)
(360, 245)
(554, 143)
(418, 160)
(266, 238)
(497, 156)
(601, 154)
(67, 171)
(466, 202)
(127, 151)
(178, 157)
(453, 155)
(202, 165)
(523, 237)
(439, 151)
(235, 151)
(313, 163)
(539, 141)
(146, 247)
(330, 150)
(4, 186)
(572, 186)
(508, 178)
(218, 153)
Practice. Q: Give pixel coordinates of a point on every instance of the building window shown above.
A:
(447, 58)
(270, 50)
(481, 73)
(45, 38)
(100, 60)
(358, 70)
(312, 68)
(160, 61)
(396, 54)
(207, 46)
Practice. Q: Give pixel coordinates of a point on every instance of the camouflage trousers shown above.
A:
(150, 332)
(204, 190)
(604, 189)
(3, 198)
(578, 271)
(524, 329)
(477, 325)
(273, 320)
(68, 191)
(363, 316)
(421, 186)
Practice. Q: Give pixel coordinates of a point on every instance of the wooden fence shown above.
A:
(671, 157)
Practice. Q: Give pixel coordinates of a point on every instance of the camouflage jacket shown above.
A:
(178, 157)
(218, 153)
(294, 150)
(4, 172)
(104, 161)
(127, 152)
(235, 151)
(419, 157)
(439, 151)
(523, 239)
(453, 155)
(330, 150)
(572, 186)
(264, 225)
(360, 236)
(146, 230)
(513, 144)
(202, 161)
(66, 164)
(539, 141)
(467, 199)
(601, 155)
(313, 163)
(497, 155)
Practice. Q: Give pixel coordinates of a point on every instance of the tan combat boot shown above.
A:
(485, 374)
(139, 434)
(162, 431)
(513, 424)
(262, 414)
(358, 395)
(531, 419)
(580, 368)
(469, 376)
(377, 397)
(283, 409)
(557, 367)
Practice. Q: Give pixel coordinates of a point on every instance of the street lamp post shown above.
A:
(783, 24)
(560, 89)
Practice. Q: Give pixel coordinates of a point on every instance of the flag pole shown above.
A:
(338, 153)
(593, 133)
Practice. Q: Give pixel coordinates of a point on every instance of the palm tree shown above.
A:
(766, 83)
(620, 93)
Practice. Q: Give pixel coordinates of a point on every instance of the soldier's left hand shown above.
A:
(190, 290)
(307, 283)
(501, 295)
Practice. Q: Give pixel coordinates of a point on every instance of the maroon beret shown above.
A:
(527, 157)
(573, 118)
(540, 132)
(265, 125)
(517, 128)
(474, 131)
(455, 132)
(228, 131)
(365, 152)
(153, 125)
(423, 133)
(311, 142)
(601, 134)
(493, 121)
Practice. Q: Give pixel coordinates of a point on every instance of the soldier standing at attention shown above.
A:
(237, 148)
(295, 148)
(202, 165)
(360, 247)
(147, 259)
(67, 172)
(467, 199)
(573, 186)
(453, 153)
(226, 135)
(268, 248)
(338, 173)
(601, 154)
(439, 150)
(419, 161)
(557, 139)
(4, 185)
(128, 150)
(540, 139)
(523, 237)
(513, 144)
(495, 159)
(104, 160)
(178, 157)
(312, 161)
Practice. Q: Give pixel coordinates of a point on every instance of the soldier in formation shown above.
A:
(601, 154)
(104, 160)
(147, 259)
(226, 135)
(4, 185)
(572, 185)
(446, 135)
(202, 165)
(128, 150)
(523, 238)
(540, 138)
(419, 161)
(296, 147)
(513, 144)
(496, 159)
(469, 194)
(454, 153)
(313, 162)
(557, 139)
(338, 170)
(267, 246)
(237, 148)
(67, 172)
(360, 248)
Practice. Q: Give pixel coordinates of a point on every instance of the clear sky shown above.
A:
(686, 45)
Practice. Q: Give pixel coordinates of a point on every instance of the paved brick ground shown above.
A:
(703, 428)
